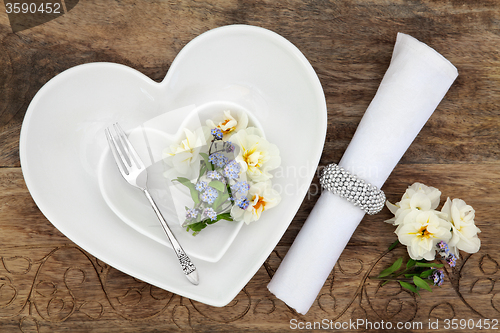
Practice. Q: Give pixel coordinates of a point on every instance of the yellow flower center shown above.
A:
(252, 158)
(423, 233)
(227, 130)
(260, 203)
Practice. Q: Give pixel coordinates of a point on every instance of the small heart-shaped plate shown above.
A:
(150, 140)
(62, 142)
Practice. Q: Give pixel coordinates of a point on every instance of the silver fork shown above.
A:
(133, 170)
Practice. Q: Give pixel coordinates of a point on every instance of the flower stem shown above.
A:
(403, 272)
(210, 149)
(230, 192)
(389, 279)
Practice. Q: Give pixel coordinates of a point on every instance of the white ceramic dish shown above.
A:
(62, 142)
(128, 203)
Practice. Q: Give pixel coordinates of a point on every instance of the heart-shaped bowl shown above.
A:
(149, 140)
(62, 142)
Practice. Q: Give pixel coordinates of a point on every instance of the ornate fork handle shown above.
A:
(188, 267)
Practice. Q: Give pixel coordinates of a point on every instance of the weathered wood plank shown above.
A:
(48, 284)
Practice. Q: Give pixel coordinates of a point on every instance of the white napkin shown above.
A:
(415, 83)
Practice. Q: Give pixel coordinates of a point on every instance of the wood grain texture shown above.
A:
(48, 284)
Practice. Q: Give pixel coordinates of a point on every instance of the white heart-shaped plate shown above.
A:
(62, 141)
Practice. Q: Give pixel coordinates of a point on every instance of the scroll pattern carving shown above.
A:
(67, 284)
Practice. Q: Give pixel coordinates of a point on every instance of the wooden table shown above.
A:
(48, 284)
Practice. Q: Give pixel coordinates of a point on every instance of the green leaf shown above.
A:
(218, 185)
(410, 263)
(199, 226)
(203, 169)
(209, 165)
(428, 264)
(186, 182)
(224, 216)
(196, 226)
(393, 245)
(426, 274)
(410, 275)
(220, 200)
(421, 283)
(409, 286)
(394, 267)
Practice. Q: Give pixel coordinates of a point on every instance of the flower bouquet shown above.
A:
(425, 232)
(232, 181)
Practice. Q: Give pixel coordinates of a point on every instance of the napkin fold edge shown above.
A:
(446, 68)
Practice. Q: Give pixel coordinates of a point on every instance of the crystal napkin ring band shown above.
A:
(364, 195)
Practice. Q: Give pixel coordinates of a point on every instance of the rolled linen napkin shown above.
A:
(415, 83)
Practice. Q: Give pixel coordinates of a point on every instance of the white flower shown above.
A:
(421, 231)
(464, 231)
(228, 124)
(261, 197)
(184, 156)
(417, 197)
(256, 155)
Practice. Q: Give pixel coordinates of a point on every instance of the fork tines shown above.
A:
(122, 149)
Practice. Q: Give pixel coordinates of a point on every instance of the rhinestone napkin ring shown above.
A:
(364, 195)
